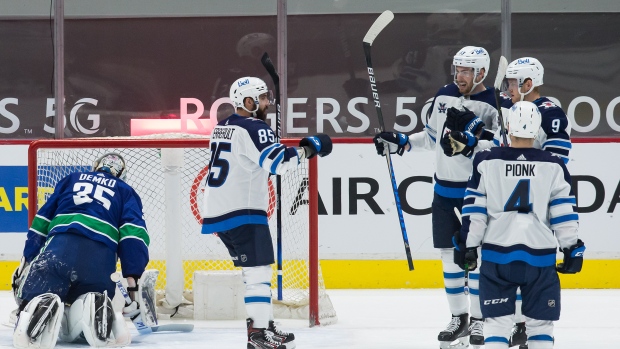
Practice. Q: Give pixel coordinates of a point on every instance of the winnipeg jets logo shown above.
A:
(442, 108)
(547, 105)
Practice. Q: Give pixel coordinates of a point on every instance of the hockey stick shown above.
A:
(142, 327)
(501, 72)
(380, 23)
(268, 64)
(466, 289)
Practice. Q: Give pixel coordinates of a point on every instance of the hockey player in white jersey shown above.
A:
(243, 155)
(525, 76)
(519, 206)
(459, 112)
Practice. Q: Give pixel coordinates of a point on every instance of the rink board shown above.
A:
(360, 239)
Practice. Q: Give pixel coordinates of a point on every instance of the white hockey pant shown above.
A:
(454, 281)
(91, 315)
(258, 294)
(39, 323)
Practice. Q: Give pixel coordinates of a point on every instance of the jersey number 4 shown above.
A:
(519, 200)
(217, 179)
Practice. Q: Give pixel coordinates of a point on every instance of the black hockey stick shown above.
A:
(501, 72)
(141, 326)
(380, 23)
(268, 64)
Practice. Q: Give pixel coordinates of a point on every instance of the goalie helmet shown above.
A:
(247, 87)
(523, 69)
(524, 120)
(111, 163)
(472, 57)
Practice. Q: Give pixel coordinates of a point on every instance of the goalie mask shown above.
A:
(524, 120)
(111, 163)
(526, 68)
(472, 57)
(247, 87)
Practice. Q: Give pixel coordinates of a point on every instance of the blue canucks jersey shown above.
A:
(519, 205)
(99, 206)
(243, 154)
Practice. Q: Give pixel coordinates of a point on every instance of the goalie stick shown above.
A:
(380, 23)
(142, 327)
(268, 64)
(501, 72)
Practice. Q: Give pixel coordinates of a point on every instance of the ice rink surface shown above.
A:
(375, 319)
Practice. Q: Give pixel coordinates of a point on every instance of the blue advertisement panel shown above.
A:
(13, 199)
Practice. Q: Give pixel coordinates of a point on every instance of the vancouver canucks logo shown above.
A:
(442, 108)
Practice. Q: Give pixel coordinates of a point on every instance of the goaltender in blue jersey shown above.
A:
(518, 207)
(92, 219)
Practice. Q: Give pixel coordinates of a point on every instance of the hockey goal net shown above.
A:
(167, 171)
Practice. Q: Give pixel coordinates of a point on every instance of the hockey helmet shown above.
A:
(112, 163)
(526, 68)
(472, 57)
(524, 120)
(247, 87)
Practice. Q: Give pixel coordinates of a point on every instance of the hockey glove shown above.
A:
(394, 141)
(463, 143)
(466, 258)
(573, 258)
(464, 120)
(18, 278)
(318, 144)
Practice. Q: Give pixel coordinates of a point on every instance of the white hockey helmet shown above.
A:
(472, 57)
(247, 87)
(526, 68)
(524, 120)
(112, 163)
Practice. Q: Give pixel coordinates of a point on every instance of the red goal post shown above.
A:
(304, 289)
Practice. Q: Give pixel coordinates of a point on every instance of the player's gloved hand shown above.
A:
(394, 141)
(448, 146)
(465, 257)
(463, 143)
(319, 144)
(573, 258)
(463, 120)
(131, 310)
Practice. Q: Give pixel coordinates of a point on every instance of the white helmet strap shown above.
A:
(250, 111)
(526, 93)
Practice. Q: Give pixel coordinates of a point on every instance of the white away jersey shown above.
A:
(243, 154)
(554, 133)
(451, 173)
(515, 200)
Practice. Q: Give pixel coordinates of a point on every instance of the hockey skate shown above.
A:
(456, 335)
(261, 338)
(476, 337)
(518, 336)
(285, 338)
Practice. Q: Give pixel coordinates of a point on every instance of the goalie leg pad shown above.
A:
(38, 325)
(258, 294)
(146, 297)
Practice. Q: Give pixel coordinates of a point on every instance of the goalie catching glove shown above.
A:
(319, 144)
(394, 141)
(573, 258)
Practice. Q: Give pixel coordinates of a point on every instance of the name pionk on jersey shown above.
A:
(520, 170)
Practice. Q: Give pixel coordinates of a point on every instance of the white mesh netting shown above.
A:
(146, 174)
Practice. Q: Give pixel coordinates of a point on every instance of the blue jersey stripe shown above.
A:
(563, 201)
(505, 258)
(210, 228)
(564, 218)
(256, 299)
(457, 275)
(474, 209)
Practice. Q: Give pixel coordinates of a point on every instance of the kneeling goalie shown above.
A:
(63, 285)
